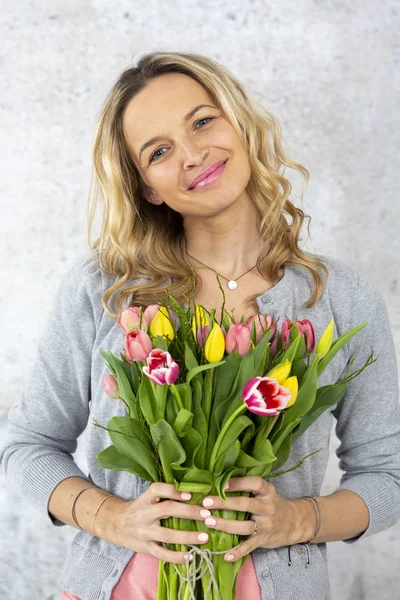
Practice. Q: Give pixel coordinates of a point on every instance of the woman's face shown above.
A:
(186, 147)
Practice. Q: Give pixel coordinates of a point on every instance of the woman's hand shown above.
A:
(280, 522)
(135, 524)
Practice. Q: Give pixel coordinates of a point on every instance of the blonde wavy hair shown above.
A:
(139, 240)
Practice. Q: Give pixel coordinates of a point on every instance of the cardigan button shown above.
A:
(265, 575)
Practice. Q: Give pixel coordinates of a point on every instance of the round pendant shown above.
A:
(232, 285)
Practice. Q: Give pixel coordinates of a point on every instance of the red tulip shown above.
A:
(161, 367)
(137, 345)
(238, 338)
(306, 329)
(262, 323)
(265, 396)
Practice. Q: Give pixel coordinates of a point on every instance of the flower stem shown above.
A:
(177, 396)
(222, 433)
(261, 437)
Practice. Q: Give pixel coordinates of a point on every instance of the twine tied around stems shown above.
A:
(199, 569)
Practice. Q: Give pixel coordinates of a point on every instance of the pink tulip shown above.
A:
(110, 386)
(306, 329)
(161, 367)
(137, 345)
(129, 319)
(153, 309)
(202, 334)
(265, 396)
(262, 323)
(238, 338)
(150, 312)
(273, 347)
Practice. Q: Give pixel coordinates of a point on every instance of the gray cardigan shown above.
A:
(65, 394)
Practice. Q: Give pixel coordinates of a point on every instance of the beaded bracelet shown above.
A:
(317, 508)
(73, 505)
(97, 510)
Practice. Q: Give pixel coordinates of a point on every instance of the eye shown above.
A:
(204, 119)
(155, 156)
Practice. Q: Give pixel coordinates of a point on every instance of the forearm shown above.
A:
(61, 500)
(344, 516)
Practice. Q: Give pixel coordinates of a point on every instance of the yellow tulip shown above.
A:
(292, 385)
(200, 318)
(161, 324)
(325, 343)
(281, 372)
(215, 345)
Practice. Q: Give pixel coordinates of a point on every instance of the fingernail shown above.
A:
(230, 557)
(226, 487)
(210, 521)
(208, 502)
(205, 513)
(188, 556)
(202, 537)
(186, 495)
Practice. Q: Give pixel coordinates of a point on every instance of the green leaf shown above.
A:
(282, 454)
(182, 421)
(292, 352)
(191, 443)
(196, 481)
(161, 342)
(169, 448)
(225, 376)
(121, 372)
(132, 441)
(221, 482)
(110, 458)
(199, 420)
(147, 401)
(238, 426)
(193, 372)
(306, 395)
(327, 396)
(261, 353)
(190, 359)
(227, 459)
(337, 345)
(299, 368)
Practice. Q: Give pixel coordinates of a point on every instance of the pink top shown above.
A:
(139, 580)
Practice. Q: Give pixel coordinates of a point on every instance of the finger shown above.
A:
(230, 526)
(176, 536)
(244, 548)
(241, 503)
(170, 508)
(166, 555)
(159, 490)
(249, 483)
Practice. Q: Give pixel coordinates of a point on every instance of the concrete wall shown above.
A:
(329, 70)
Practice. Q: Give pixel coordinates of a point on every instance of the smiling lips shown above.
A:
(209, 175)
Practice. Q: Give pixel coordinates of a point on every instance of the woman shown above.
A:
(189, 171)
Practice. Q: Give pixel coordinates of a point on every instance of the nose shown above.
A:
(193, 154)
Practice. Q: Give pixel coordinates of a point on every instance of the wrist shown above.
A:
(304, 522)
(107, 519)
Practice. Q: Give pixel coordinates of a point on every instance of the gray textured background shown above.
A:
(329, 70)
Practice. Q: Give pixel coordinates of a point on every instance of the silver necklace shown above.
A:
(232, 283)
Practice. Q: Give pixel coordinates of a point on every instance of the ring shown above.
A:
(255, 528)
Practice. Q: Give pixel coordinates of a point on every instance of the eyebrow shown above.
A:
(186, 118)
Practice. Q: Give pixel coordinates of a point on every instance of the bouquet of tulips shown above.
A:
(206, 401)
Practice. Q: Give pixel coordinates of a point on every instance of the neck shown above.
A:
(228, 242)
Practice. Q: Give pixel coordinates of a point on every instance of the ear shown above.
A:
(151, 196)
